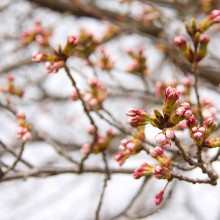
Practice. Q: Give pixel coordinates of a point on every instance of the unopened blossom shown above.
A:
(198, 134)
(171, 96)
(53, 67)
(73, 95)
(23, 130)
(184, 111)
(159, 198)
(138, 117)
(163, 138)
(192, 122)
(144, 170)
(159, 155)
(72, 39)
(180, 41)
(215, 16)
(102, 142)
(161, 172)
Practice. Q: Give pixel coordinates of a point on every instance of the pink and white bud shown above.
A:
(159, 198)
(215, 16)
(144, 170)
(171, 94)
(169, 134)
(179, 41)
(20, 115)
(26, 137)
(38, 57)
(161, 139)
(204, 39)
(85, 148)
(73, 40)
(198, 136)
(73, 95)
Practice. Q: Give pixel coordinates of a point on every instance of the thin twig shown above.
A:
(12, 153)
(17, 159)
(87, 114)
(106, 179)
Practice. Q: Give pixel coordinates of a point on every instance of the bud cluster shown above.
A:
(199, 39)
(163, 138)
(94, 96)
(23, 130)
(158, 154)
(138, 117)
(53, 62)
(38, 34)
(130, 147)
(10, 87)
(104, 63)
(102, 143)
(138, 64)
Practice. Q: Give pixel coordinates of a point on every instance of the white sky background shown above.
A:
(70, 196)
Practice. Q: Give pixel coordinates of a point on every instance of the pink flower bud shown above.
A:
(171, 94)
(26, 137)
(10, 77)
(185, 105)
(39, 57)
(73, 40)
(209, 123)
(204, 39)
(144, 170)
(179, 112)
(91, 129)
(215, 16)
(85, 148)
(20, 115)
(198, 136)
(180, 41)
(73, 95)
(188, 114)
(169, 134)
(161, 139)
(159, 198)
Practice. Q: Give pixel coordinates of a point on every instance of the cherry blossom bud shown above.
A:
(73, 40)
(180, 41)
(73, 95)
(192, 122)
(26, 137)
(160, 172)
(171, 94)
(20, 115)
(38, 57)
(215, 16)
(161, 139)
(209, 124)
(85, 148)
(169, 134)
(91, 129)
(159, 198)
(144, 170)
(121, 157)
